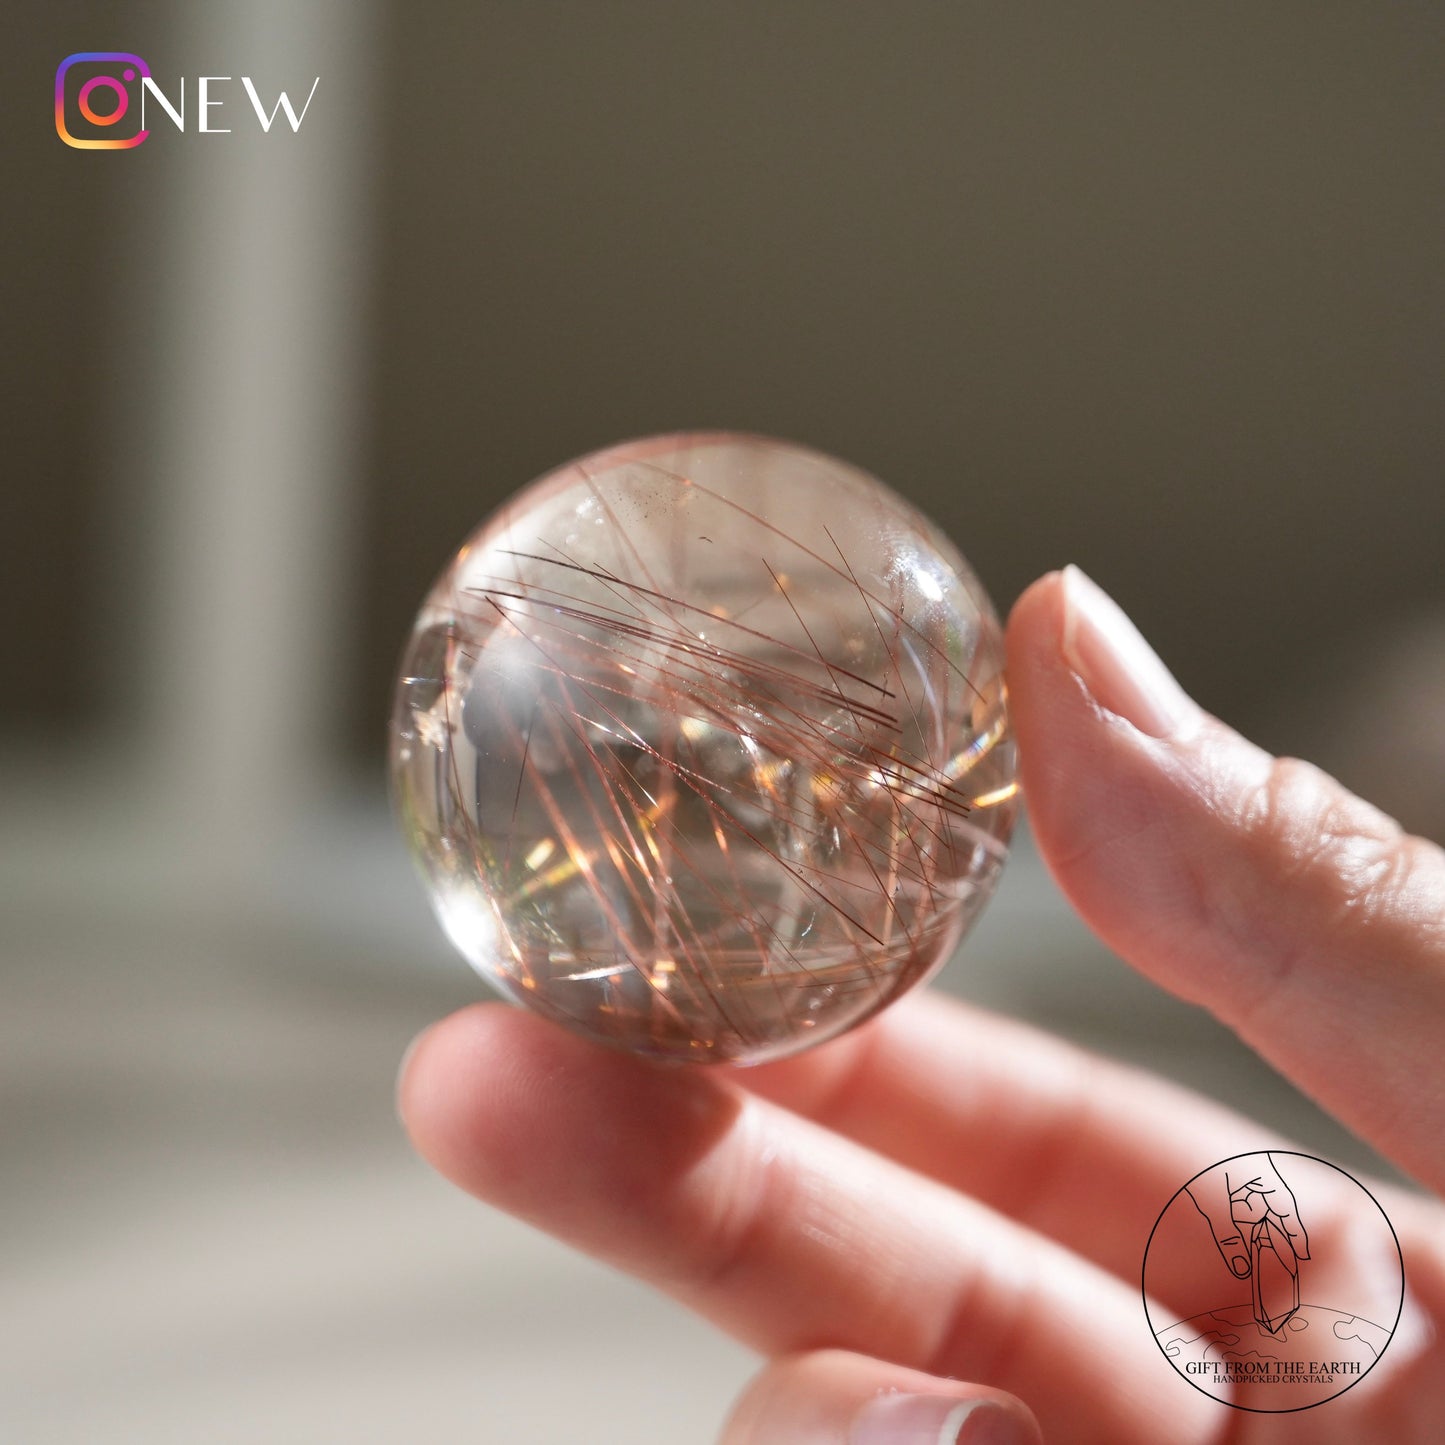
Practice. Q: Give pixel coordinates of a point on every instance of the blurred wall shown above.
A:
(56, 290)
(1153, 288)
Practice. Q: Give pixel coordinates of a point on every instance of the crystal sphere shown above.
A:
(701, 745)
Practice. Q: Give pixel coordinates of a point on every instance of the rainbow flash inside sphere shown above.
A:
(702, 747)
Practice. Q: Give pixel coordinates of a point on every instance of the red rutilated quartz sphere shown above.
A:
(702, 747)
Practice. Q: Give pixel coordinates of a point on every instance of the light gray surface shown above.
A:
(213, 1229)
(211, 1225)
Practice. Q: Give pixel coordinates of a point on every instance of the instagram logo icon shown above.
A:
(97, 102)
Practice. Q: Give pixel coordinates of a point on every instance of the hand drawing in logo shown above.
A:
(1258, 1311)
(1257, 1227)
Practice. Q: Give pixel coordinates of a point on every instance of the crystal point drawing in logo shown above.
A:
(97, 100)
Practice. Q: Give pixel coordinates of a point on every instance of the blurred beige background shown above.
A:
(1156, 289)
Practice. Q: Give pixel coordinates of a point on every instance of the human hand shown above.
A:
(1240, 1195)
(946, 1196)
(1250, 1210)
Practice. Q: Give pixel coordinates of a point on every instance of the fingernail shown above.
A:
(1240, 1265)
(1121, 671)
(936, 1420)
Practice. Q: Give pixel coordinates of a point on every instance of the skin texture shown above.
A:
(944, 1196)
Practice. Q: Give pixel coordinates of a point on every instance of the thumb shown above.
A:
(1256, 886)
(1214, 1206)
(832, 1397)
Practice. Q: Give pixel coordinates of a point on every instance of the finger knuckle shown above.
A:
(1351, 866)
(736, 1223)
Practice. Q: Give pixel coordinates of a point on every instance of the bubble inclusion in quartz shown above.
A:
(701, 744)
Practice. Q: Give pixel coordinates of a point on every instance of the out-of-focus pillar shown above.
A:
(255, 266)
